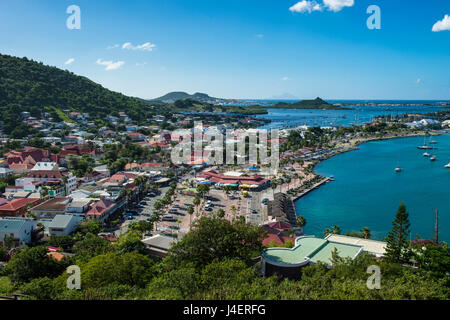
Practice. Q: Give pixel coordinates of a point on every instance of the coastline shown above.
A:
(355, 146)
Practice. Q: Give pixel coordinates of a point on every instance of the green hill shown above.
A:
(317, 103)
(27, 85)
(173, 96)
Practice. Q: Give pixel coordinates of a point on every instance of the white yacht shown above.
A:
(433, 158)
(398, 169)
(426, 154)
(448, 165)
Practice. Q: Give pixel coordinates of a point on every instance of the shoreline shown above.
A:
(354, 147)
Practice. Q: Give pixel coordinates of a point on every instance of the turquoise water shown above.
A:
(367, 191)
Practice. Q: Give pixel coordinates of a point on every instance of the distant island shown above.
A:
(175, 96)
(317, 103)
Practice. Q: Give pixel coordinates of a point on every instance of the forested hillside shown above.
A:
(27, 85)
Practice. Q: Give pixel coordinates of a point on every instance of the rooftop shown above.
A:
(372, 246)
(12, 225)
(312, 249)
(61, 221)
(56, 204)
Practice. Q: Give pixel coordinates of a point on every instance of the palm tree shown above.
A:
(233, 209)
(190, 212)
(288, 180)
(197, 202)
(301, 221)
(366, 233)
(336, 229)
(296, 176)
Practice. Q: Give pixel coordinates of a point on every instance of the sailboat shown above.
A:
(425, 146)
(433, 157)
(447, 165)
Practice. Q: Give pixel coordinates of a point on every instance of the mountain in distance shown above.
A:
(198, 96)
(284, 96)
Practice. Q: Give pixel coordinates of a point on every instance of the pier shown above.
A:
(325, 180)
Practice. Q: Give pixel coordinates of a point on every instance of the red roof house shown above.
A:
(17, 207)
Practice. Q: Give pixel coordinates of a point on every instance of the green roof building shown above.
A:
(288, 262)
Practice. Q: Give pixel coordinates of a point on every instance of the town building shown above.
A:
(51, 208)
(63, 225)
(19, 229)
(18, 207)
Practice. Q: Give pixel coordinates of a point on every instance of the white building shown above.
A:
(63, 225)
(47, 166)
(20, 229)
(4, 172)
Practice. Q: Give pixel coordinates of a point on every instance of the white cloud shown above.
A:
(285, 78)
(338, 5)
(442, 25)
(110, 65)
(70, 61)
(112, 47)
(306, 6)
(143, 47)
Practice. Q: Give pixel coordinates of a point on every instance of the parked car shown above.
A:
(168, 217)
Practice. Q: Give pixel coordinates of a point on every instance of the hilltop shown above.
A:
(27, 85)
(317, 103)
(172, 97)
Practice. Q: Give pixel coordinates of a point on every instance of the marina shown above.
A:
(367, 191)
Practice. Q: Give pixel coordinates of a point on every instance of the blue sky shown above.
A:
(241, 48)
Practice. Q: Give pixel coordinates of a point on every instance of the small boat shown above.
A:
(398, 169)
(424, 147)
(426, 154)
(448, 165)
(433, 142)
(433, 158)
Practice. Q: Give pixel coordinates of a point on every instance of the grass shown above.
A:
(63, 115)
(6, 286)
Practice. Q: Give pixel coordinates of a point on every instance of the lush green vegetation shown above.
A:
(214, 261)
(196, 106)
(26, 85)
(317, 103)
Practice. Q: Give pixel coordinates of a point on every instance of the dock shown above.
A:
(325, 180)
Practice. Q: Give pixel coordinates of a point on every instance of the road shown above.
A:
(148, 209)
